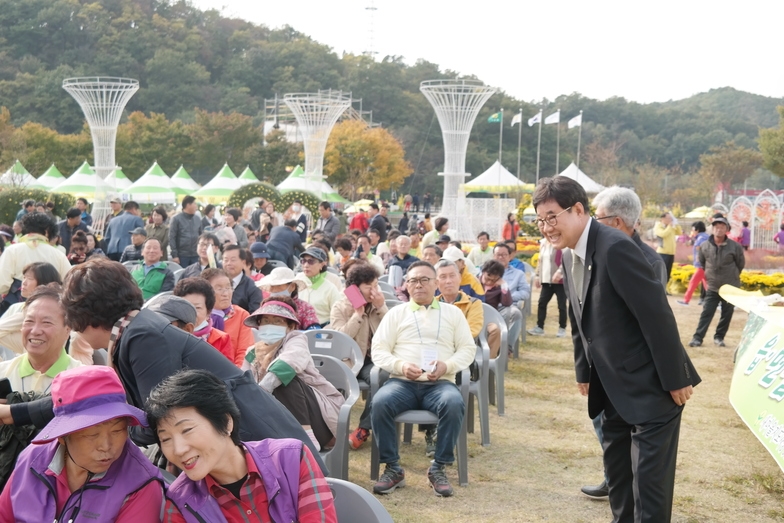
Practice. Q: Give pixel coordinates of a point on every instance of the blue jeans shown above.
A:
(188, 260)
(597, 427)
(396, 396)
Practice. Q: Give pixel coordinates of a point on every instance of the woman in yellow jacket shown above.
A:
(666, 231)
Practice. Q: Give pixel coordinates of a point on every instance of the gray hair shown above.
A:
(621, 202)
(443, 263)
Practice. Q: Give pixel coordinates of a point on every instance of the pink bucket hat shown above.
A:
(84, 397)
(272, 308)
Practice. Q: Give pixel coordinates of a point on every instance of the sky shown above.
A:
(643, 51)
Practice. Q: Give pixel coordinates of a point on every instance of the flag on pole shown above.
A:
(518, 118)
(494, 118)
(535, 120)
(577, 121)
(553, 118)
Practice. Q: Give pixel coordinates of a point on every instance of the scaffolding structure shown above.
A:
(316, 115)
(102, 100)
(456, 103)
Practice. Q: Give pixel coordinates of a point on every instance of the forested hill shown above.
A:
(186, 58)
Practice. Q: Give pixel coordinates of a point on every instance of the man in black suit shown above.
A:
(377, 221)
(629, 359)
(246, 294)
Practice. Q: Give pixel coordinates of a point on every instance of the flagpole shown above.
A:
(539, 146)
(558, 143)
(519, 140)
(579, 136)
(501, 136)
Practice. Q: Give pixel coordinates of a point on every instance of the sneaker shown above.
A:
(536, 331)
(695, 342)
(700, 302)
(390, 480)
(561, 333)
(719, 342)
(596, 491)
(437, 478)
(430, 442)
(682, 302)
(358, 438)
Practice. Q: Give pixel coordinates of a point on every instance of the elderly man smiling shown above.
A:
(422, 345)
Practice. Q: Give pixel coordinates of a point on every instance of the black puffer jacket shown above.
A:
(723, 263)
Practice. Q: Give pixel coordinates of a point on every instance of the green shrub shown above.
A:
(11, 199)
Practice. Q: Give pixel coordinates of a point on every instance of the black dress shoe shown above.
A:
(596, 491)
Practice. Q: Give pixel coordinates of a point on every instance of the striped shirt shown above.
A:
(315, 503)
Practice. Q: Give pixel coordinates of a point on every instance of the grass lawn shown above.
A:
(545, 448)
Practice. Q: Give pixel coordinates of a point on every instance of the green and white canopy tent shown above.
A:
(296, 181)
(17, 176)
(247, 176)
(83, 183)
(153, 187)
(219, 189)
(183, 183)
(50, 179)
(118, 180)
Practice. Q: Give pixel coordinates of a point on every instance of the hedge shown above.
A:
(11, 199)
(271, 194)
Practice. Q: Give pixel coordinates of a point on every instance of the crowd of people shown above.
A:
(235, 402)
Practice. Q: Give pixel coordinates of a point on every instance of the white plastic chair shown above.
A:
(497, 365)
(353, 504)
(340, 346)
(336, 459)
(384, 286)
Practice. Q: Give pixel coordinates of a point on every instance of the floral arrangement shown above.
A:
(749, 280)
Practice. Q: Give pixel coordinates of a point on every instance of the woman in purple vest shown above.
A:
(197, 426)
(82, 466)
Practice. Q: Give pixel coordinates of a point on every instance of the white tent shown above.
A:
(583, 179)
(497, 180)
(17, 176)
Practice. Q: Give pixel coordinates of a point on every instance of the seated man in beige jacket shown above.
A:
(361, 323)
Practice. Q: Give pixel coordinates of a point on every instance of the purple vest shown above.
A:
(33, 491)
(278, 463)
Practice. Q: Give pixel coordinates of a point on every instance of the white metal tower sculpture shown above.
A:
(102, 100)
(456, 103)
(316, 114)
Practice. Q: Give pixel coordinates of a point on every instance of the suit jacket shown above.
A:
(626, 341)
(118, 235)
(656, 261)
(247, 295)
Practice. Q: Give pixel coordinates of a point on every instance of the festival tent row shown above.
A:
(50, 179)
(219, 189)
(296, 181)
(83, 183)
(153, 187)
(17, 175)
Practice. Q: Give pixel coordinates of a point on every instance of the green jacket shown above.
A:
(158, 279)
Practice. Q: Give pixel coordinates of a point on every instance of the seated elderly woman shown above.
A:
(283, 282)
(44, 333)
(361, 324)
(82, 462)
(225, 479)
(321, 293)
(33, 276)
(228, 317)
(200, 294)
(280, 361)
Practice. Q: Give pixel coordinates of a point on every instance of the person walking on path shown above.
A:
(723, 260)
(698, 237)
(666, 230)
(549, 279)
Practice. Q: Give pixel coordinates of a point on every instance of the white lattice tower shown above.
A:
(102, 100)
(316, 114)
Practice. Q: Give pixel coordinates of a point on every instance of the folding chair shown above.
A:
(424, 417)
(353, 504)
(178, 275)
(340, 346)
(497, 365)
(336, 459)
(275, 263)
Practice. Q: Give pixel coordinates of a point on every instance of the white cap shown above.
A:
(453, 254)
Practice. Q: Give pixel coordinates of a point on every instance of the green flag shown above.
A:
(494, 118)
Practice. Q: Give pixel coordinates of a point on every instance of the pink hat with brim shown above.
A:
(84, 397)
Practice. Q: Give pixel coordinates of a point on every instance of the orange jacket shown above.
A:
(222, 342)
(241, 335)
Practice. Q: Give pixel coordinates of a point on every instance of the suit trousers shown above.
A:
(712, 300)
(548, 290)
(639, 461)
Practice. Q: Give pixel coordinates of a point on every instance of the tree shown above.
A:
(143, 140)
(218, 138)
(727, 164)
(272, 161)
(358, 156)
(771, 142)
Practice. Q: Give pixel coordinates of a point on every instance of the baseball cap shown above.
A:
(443, 238)
(720, 219)
(115, 200)
(174, 308)
(84, 397)
(315, 253)
(453, 254)
(139, 230)
(259, 250)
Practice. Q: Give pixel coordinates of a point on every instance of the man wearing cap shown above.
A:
(82, 462)
(118, 232)
(284, 242)
(443, 242)
(133, 252)
(260, 257)
(180, 312)
(328, 222)
(469, 285)
(723, 260)
(68, 227)
(422, 344)
(377, 222)
(153, 276)
(117, 209)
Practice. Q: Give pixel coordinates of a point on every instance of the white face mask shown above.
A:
(284, 292)
(202, 325)
(271, 333)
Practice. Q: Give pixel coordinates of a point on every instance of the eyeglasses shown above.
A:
(309, 261)
(600, 218)
(551, 220)
(418, 281)
(222, 290)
